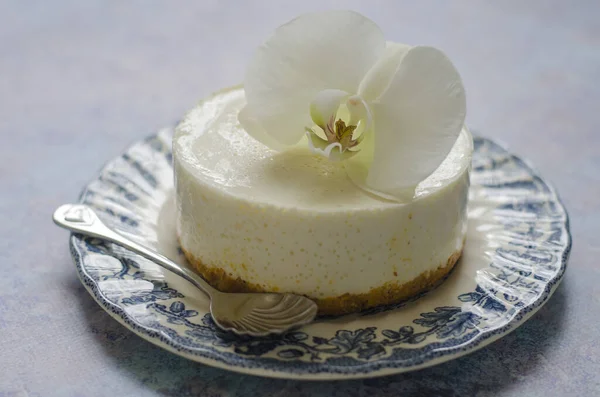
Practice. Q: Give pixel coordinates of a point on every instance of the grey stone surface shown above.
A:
(80, 80)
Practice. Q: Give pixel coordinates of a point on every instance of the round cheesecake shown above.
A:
(253, 219)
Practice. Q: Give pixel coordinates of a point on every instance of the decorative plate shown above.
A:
(516, 253)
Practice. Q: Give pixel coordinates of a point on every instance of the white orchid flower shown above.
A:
(390, 111)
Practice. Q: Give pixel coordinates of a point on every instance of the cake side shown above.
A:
(320, 254)
(389, 293)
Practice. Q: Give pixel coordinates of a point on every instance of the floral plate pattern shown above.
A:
(517, 247)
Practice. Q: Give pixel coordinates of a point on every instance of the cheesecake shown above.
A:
(252, 219)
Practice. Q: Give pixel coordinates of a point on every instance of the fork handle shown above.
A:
(80, 218)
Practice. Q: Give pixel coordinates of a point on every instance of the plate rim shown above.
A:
(367, 369)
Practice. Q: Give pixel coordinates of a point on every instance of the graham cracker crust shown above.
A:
(389, 293)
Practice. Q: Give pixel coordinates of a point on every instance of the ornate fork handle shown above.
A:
(80, 218)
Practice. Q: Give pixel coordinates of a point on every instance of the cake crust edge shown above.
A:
(389, 293)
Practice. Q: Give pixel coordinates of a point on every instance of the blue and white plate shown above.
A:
(516, 252)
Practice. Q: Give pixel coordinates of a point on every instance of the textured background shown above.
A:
(80, 80)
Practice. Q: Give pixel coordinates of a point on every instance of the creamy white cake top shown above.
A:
(224, 157)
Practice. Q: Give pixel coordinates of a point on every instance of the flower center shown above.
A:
(341, 133)
(343, 120)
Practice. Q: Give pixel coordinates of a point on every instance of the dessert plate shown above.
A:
(517, 246)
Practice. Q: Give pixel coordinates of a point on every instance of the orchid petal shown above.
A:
(380, 75)
(314, 52)
(417, 121)
(256, 131)
(359, 111)
(325, 106)
(357, 169)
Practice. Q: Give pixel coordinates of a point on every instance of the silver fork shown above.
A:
(256, 314)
